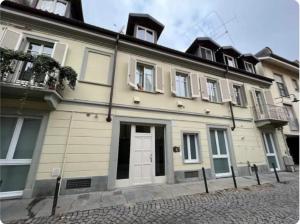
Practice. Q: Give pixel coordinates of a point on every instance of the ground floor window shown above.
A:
(18, 140)
(270, 148)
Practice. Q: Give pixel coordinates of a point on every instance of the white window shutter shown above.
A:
(59, 52)
(11, 40)
(159, 80)
(194, 85)
(269, 97)
(173, 80)
(203, 87)
(131, 73)
(245, 101)
(225, 92)
(233, 98)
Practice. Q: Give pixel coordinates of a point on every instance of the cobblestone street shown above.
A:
(268, 203)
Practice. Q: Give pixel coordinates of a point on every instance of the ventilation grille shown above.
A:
(78, 183)
(191, 174)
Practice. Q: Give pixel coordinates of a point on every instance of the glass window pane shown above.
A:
(159, 151)
(27, 139)
(34, 48)
(140, 33)
(221, 165)
(272, 159)
(47, 50)
(13, 177)
(148, 79)
(60, 8)
(270, 146)
(185, 145)
(6, 132)
(124, 152)
(149, 36)
(222, 144)
(47, 5)
(139, 76)
(213, 142)
(142, 129)
(193, 147)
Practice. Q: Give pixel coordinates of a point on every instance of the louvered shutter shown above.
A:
(245, 101)
(131, 73)
(11, 40)
(159, 80)
(269, 97)
(194, 85)
(60, 52)
(173, 80)
(203, 87)
(232, 93)
(225, 92)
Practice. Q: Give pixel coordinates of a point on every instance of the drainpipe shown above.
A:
(230, 105)
(108, 118)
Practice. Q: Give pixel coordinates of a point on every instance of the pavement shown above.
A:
(270, 202)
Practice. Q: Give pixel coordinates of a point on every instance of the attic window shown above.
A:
(145, 34)
(229, 61)
(206, 53)
(249, 67)
(54, 6)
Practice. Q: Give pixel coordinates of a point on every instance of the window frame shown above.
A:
(226, 62)
(187, 83)
(242, 94)
(280, 85)
(197, 145)
(207, 49)
(218, 90)
(295, 84)
(145, 31)
(54, 6)
(153, 76)
(293, 119)
(248, 65)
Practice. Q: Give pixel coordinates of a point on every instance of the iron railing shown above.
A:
(269, 112)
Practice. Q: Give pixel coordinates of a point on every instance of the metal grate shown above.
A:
(191, 174)
(78, 183)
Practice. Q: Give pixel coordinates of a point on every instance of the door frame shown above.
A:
(31, 177)
(133, 133)
(114, 150)
(231, 153)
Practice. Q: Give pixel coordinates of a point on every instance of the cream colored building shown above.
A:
(141, 113)
(285, 92)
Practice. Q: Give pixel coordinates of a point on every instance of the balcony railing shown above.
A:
(269, 112)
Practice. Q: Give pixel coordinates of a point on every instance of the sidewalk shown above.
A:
(26, 208)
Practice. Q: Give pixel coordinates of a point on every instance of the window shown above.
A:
(55, 6)
(238, 94)
(293, 122)
(206, 53)
(229, 61)
(145, 77)
(190, 148)
(35, 47)
(281, 86)
(145, 34)
(296, 85)
(249, 67)
(213, 91)
(182, 85)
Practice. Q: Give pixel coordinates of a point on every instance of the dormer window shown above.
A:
(229, 60)
(206, 53)
(54, 6)
(145, 34)
(249, 67)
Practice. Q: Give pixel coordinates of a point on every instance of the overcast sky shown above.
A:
(248, 25)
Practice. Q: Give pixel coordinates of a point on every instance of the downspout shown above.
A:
(230, 106)
(108, 118)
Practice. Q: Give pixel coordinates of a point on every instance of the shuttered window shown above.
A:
(213, 91)
(281, 85)
(145, 77)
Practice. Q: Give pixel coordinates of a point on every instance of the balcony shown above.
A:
(267, 115)
(10, 88)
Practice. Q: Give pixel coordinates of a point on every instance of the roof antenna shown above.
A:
(121, 31)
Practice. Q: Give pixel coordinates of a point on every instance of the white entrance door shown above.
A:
(220, 152)
(142, 154)
(271, 150)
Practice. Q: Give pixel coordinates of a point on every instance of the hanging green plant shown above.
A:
(42, 67)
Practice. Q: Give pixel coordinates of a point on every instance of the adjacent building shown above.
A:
(141, 113)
